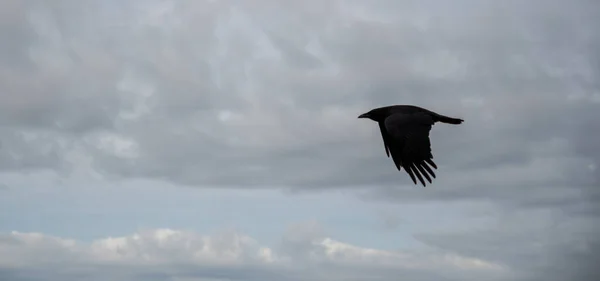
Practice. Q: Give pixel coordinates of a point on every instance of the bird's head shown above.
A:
(376, 115)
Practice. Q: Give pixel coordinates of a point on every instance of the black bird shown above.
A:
(405, 132)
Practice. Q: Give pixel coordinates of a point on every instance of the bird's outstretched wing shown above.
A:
(386, 138)
(407, 138)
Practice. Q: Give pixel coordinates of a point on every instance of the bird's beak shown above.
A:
(364, 115)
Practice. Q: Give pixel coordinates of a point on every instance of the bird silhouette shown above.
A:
(405, 132)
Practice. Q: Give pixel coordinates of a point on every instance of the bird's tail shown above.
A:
(449, 120)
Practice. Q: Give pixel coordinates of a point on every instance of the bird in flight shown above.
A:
(405, 132)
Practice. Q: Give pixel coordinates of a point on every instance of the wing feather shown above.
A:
(385, 137)
(409, 144)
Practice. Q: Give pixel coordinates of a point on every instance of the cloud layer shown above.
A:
(265, 94)
(165, 254)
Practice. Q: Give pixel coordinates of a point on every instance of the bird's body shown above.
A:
(405, 132)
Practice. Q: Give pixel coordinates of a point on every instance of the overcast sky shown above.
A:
(219, 140)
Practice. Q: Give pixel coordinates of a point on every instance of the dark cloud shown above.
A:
(242, 101)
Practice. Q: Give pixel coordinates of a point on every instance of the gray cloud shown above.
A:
(541, 245)
(266, 95)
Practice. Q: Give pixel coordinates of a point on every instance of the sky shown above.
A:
(181, 140)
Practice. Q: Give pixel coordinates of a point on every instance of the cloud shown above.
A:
(266, 95)
(537, 245)
(166, 254)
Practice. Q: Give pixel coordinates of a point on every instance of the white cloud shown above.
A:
(173, 252)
